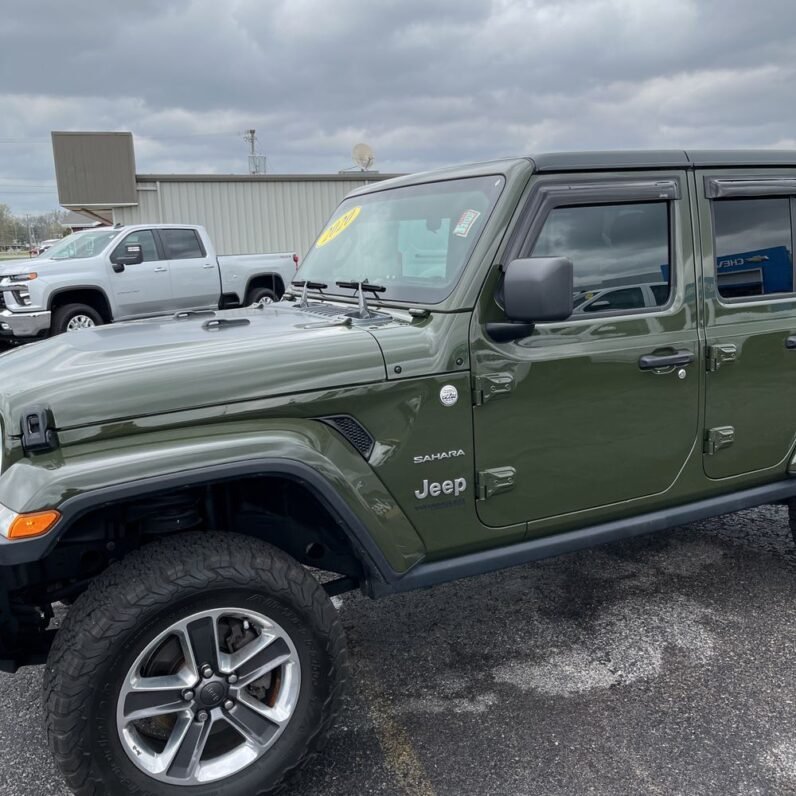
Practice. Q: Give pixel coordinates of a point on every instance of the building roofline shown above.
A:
(353, 176)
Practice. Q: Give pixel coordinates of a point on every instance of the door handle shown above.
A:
(161, 268)
(790, 342)
(208, 265)
(673, 360)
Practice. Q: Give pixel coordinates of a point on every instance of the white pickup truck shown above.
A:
(121, 273)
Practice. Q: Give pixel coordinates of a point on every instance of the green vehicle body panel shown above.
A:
(590, 436)
(753, 394)
(104, 463)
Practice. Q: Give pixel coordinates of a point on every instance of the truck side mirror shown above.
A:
(534, 290)
(132, 254)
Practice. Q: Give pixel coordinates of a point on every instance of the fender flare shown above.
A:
(305, 451)
(76, 288)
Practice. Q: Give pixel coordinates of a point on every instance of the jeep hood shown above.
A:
(150, 367)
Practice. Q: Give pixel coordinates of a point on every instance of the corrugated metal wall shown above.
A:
(243, 217)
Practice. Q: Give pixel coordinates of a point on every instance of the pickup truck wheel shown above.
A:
(792, 517)
(258, 294)
(71, 317)
(202, 664)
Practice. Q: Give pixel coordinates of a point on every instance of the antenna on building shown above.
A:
(363, 156)
(257, 163)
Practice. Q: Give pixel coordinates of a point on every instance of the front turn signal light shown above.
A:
(26, 526)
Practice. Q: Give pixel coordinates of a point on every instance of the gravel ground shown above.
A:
(663, 665)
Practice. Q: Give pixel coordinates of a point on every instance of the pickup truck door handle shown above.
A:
(208, 265)
(161, 268)
(790, 342)
(655, 361)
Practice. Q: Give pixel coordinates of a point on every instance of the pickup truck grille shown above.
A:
(2, 301)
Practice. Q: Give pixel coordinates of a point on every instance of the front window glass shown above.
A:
(145, 239)
(81, 245)
(620, 254)
(414, 241)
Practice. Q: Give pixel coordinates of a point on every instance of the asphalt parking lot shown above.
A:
(664, 665)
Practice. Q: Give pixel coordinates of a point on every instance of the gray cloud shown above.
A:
(425, 83)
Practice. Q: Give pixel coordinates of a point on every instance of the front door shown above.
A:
(573, 408)
(145, 288)
(746, 218)
(195, 278)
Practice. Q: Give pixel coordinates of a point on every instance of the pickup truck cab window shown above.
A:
(414, 241)
(145, 239)
(619, 252)
(754, 254)
(181, 244)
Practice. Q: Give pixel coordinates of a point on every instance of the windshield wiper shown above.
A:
(361, 288)
(306, 285)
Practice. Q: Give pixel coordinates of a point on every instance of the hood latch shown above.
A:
(38, 433)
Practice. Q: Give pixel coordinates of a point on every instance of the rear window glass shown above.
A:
(753, 247)
(181, 244)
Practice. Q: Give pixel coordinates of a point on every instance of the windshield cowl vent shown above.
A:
(331, 311)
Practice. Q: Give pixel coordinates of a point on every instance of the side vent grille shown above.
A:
(353, 431)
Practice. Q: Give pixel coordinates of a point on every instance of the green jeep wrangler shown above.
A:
(478, 367)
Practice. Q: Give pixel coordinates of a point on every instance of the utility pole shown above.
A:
(257, 163)
(251, 138)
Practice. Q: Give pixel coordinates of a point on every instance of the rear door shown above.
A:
(567, 419)
(142, 289)
(195, 280)
(746, 219)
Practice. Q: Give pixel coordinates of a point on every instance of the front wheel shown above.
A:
(72, 317)
(203, 664)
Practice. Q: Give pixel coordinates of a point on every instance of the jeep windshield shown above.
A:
(415, 241)
(80, 245)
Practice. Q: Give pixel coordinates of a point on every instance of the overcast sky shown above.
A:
(424, 82)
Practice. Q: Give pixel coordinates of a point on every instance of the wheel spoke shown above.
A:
(276, 715)
(257, 729)
(232, 662)
(154, 696)
(263, 661)
(203, 642)
(187, 755)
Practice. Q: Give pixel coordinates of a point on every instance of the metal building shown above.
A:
(243, 213)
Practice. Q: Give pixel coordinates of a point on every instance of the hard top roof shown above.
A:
(661, 159)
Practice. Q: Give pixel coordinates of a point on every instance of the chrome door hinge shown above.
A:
(491, 385)
(717, 438)
(721, 354)
(498, 479)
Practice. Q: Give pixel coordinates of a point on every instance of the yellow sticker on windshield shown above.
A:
(338, 225)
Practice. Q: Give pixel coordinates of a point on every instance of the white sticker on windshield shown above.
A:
(465, 223)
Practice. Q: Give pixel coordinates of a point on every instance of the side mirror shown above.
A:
(535, 290)
(133, 254)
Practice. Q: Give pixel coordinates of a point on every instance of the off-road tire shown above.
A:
(127, 605)
(258, 294)
(62, 316)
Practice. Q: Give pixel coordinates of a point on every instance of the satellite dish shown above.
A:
(363, 156)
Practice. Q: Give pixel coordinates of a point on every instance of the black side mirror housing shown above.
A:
(535, 290)
(133, 254)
